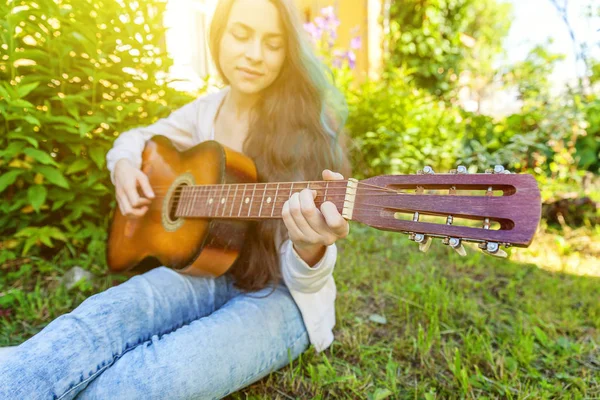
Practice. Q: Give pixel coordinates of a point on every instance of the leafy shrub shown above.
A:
(397, 128)
(439, 39)
(588, 145)
(72, 76)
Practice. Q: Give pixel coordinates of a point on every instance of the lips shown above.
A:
(250, 71)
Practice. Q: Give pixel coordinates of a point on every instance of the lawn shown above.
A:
(409, 325)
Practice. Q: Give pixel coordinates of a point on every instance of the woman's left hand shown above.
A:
(310, 229)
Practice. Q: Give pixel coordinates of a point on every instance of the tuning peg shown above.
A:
(425, 245)
(456, 244)
(461, 169)
(499, 169)
(423, 240)
(493, 249)
(427, 170)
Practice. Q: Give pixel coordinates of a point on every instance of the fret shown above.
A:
(251, 199)
(275, 200)
(214, 201)
(242, 202)
(226, 200)
(210, 201)
(219, 200)
(233, 202)
(262, 200)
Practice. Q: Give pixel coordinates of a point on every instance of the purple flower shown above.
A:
(351, 59)
(355, 43)
(328, 12)
(320, 22)
(315, 33)
(338, 58)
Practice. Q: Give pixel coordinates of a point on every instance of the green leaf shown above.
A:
(37, 196)
(20, 103)
(54, 176)
(27, 88)
(41, 156)
(13, 150)
(79, 165)
(28, 244)
(4, 91)
(99, 186)
(32, 141)
(61, 118)
(9, 178)
(43, 234)
(381, 393)
(84, 128)
(97, 154)
(32, 120)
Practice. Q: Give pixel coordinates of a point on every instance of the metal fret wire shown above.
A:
(196, 193)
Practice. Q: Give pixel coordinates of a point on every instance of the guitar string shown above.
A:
(334, 196)
(198, 194)
(343, 186)
(203, 193)
(366, 211)
(330, 193)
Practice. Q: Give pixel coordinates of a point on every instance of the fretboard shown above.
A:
(252, 200)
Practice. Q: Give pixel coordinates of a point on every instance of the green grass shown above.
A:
(472, 327)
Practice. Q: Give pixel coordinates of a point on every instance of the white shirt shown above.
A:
(313, 288)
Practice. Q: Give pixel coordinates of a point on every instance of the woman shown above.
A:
(166, 335)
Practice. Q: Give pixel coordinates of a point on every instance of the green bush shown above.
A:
(588, 145)
(72, 76)
(439, 39)
(398, 128)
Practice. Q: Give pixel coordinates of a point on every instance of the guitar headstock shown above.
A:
(496, 208)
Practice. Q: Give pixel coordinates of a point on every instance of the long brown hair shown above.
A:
(294, 134)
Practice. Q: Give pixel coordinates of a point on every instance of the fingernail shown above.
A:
(314, 192)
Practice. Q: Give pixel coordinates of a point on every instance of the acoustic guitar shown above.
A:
(206, 195)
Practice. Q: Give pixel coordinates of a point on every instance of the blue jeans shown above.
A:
(159, 335)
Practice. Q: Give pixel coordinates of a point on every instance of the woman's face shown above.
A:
(252, 48)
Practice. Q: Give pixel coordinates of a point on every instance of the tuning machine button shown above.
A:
(456, 244)
(427, 170)
(498, 169)
(460, 170)
(493, 249)
(423, 240)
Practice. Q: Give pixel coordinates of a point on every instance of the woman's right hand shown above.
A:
(127, 179)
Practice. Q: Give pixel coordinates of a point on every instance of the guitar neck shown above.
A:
(258, 200)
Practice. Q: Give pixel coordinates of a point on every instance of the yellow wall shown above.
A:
(353, 13)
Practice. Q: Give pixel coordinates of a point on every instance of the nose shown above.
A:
(254, 51)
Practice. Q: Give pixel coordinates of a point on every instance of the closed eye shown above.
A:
(274, 46)
(240, 36)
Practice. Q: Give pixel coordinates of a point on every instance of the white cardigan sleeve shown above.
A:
(179, 127)
(299, 276)
(314, 291)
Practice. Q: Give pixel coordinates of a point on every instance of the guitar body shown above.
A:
(194, 246)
